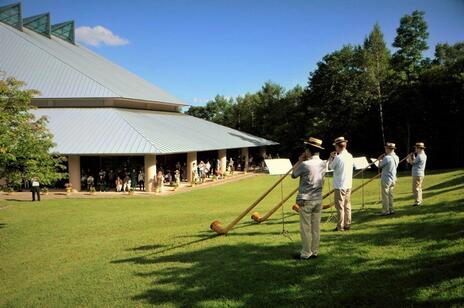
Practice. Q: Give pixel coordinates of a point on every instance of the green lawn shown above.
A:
(141, 251)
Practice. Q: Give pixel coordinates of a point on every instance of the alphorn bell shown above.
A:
(216, 225)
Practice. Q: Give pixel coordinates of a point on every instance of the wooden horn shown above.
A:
(216, 225)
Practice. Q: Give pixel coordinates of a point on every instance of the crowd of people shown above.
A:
(134, 179)
(121, 180)
(311, 170)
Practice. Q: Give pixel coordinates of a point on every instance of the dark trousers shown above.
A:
(142, 185)
(35, 191)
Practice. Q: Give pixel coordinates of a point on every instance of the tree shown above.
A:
(449, 54)
(25, 142)
(376, 61)
(411, 41)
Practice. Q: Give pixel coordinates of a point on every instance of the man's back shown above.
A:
(389, 165)
(342, 166)
(311, 173)
(418, 166)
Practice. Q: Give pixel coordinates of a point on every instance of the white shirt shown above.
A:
(342, 166)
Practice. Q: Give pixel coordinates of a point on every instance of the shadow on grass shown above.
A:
(454, 181)
(2, 225)
(344, 275)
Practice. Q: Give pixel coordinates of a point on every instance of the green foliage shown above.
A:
(411, 41)
(25, 142)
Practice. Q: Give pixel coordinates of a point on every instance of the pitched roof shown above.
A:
(59, 69)
(87, 131)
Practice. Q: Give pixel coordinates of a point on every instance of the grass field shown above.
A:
(137, 252)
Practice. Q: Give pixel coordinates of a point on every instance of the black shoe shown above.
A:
(392, 212)
(347, 228)
(336, 229)
(312, 257)
(416, 204)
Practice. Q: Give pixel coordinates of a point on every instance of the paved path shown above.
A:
(184, 187)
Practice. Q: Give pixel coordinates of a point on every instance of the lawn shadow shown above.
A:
(2, 225)
(454, 181)
(249, 274)
(258, 275)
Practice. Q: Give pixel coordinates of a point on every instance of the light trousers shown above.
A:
(387, 196)
(343, 206)
(417, 188)
(310, 219)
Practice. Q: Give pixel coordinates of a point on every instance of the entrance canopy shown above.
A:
(116, 131)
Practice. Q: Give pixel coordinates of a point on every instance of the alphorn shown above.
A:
(216, 225)
(258, 218)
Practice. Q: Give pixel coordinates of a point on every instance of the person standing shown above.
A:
(35, 188)
(311, 171)
(341, 162)
(418, 161)
(141, 180)
(388, 163)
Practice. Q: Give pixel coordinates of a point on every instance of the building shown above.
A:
(101, 114)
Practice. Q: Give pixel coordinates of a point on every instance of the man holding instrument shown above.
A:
(311, 171)
(418, 162)
(388, 163)
(341, 162)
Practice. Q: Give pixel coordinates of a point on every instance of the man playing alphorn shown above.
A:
(388, 163)
(418, 162)
(341, 162)
(311, 172)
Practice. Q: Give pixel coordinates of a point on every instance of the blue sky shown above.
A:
(197, 49)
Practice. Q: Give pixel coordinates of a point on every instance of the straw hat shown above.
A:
(390, 145)
(420, 145)
(314, 142)
(340, 140)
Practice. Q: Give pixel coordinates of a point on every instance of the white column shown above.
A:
(245, 155)
(222, 155)
(74, 170)
(191, 158)
(150, 172)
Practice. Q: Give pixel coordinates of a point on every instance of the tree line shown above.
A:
(366, 93)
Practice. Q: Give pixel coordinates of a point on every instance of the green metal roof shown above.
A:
(64, 30)
(11, 15)
(38, 23)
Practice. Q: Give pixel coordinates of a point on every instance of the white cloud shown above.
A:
(98, 35)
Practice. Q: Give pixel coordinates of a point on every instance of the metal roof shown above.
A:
(115, 131)
(59, 69)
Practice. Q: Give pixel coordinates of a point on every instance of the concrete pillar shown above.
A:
(245, 156)
(191, 158)
(222, 155)
(74, 170)
(150, 172)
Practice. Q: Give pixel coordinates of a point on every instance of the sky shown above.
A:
(198, 49)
